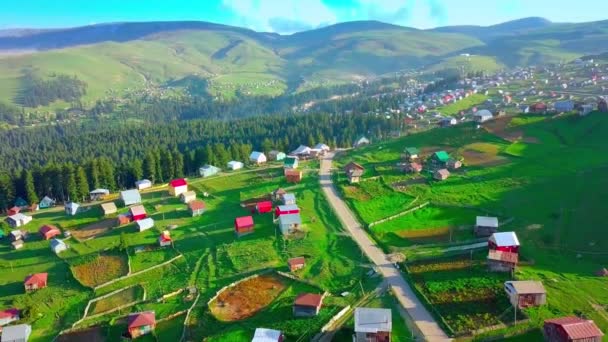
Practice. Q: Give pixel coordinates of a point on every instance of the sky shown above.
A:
(288, 16)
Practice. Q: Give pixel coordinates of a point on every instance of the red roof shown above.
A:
(178, 182)
(142, 319)
(165, 237)
(9, 313)
(36, 278)
(296, 261)
(309, 299)
(196, 205)
(265, 206)
(576, 328)
(49, 231)
(14, 209)
(243, 222)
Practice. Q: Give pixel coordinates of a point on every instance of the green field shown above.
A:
(462, 105)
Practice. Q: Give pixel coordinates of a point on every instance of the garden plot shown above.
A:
(94, 230)
(151, 256)
(93, 334)
(126, 296)
(463, 292)
(482, 154)
(248, 255)
(247, 297)
(99, 269)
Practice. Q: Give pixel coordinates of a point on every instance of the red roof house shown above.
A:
(504, 242)
(571, 329)
(35, 281)
(165, 239)
(307, 305)
(123, 219)
(243, 225)
(196, 207)
(48, 232)
(293, 175)
(296, 263)
(8, 316)
(286, 209)
(13, 211)
(138, 212)
(264, 207)
(141, 323)
(538, 107)
(178, 186)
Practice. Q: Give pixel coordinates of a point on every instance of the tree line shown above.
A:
(41, 92)
(67, 161)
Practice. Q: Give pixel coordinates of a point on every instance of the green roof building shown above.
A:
(291, 163)
(441, 156)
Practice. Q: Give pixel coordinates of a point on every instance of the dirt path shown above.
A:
(425, 325)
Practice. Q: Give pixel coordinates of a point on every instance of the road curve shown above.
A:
(426, 326)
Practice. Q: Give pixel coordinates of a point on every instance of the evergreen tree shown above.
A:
(106, 173)
(167, 165)
(94, 174)
(149, 167)
(70, 183)
(178, 163)
(7, 191)
(266, 145)
(210, 156)
(30, 189)
(137, 171)
(159, 170)
(82, 183)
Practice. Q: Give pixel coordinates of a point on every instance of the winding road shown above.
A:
(425, 325)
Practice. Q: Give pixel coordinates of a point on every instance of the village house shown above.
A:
(9, 316)
(290, 223)
(362, 141)
(289, 199)
(187, 196)
(293, 176)
(257, 158)
(71, 208)
(18, 244)
(503, 251)
(373, 324)
(322, 148)
(585, 109)
(526, 293)
(354, 172)
(18, 234)
(277, 195)
(571, 329)
(141, 323)
(485, 226)
(18, 220)
(263, 207)
(123, 219)
(208, 171)
(98, 194)
(48, 231)
(411, 154)
(290, 163)
(143, 184)
(453, 164)
(447, 122)
(504, 242)
(440, 158)
(178, 187)
(286, 210)
(16, 333)
(297, 263)
(276, 155)
(21, 203)
(441, 174)
(196, 208)
(34, 207)
(130, 197)
(58, 246)
(13, 211)
(243, 225)
(267, 335)
(35, 281)
(412, 167)
(539, 108)
(482, 116)
(145, 224)
(234, 165)
(138, 212)
(307, 305)
(46, 202)
(564, 106)
(109, 208)
(164, 239)
(302, 152)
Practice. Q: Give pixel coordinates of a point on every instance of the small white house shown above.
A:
(290, 223)
(362, 141)
(482, 116)
(145, 224)
(208, 171)
(188, 196)
(58, 246)
(16, 333)
(18, 220)
(267, 335)
(257, 157)
(98, 194)
(234, 165)
(289, 199)
(71, 208)
(143, 184)
(130, 197)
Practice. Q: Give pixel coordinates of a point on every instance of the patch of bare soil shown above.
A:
(94, 230)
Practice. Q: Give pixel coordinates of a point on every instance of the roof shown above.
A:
(189, 193)
(290, 160)
(100, 191)
(109, 206)
(576, 328)
(266, 335)
(8, 313)
(210, 167)
(141, 319)
(137, 210)
(19, 217)
(196, 205)
(505, 239)
(289, 196)
(483, 113)
(178, 182)
(56, 242)
(443, 172)
(264, 204)
(130, 196)
(72, 205)
(288, 207)
(290, 219)
(442, 156)
(292, 172)
(280, 191)
(19, 332)
(255, 155)
(526, 286)
(309, 299)
(165, 236)
(486, 221)
(373, 320)
(47, 199)
(503, 256)
(146, 223)
(353, 165)
(48, 228)
(244, 221)
(321, 146)
(301, 150)
(36, 278)
(412, 150)
(296, 261)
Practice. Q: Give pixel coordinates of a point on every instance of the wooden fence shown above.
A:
(399, 214)
(136, 273)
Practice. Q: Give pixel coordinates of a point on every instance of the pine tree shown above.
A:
(159, 170)
(94, 174)
(7, 191)
(150, 167)
(137, 171)
(71, 188)
(178, 163)
(210, 156)
(82, 183)
(30, 188)
(167, 165)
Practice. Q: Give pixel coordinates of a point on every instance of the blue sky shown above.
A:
(287, 16)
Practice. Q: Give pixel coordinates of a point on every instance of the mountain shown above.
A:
(115, 59)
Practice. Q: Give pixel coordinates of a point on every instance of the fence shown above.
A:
(136, 273)
(399, 215)
(236, 283)
(291, 276)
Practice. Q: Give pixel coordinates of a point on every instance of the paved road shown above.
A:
(425, 323)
